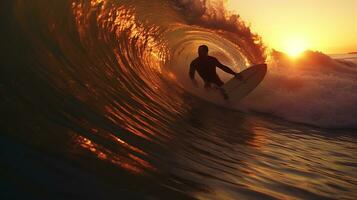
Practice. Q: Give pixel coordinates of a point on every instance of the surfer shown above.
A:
(206, 65)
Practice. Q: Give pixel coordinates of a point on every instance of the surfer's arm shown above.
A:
(225, 68)
(192, 71)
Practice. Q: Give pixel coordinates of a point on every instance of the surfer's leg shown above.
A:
(224, 93)
(207, 85)
(219, 85)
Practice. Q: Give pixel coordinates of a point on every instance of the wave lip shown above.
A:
(212, 14)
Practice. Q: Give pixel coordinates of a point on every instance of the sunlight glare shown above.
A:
(294, 47)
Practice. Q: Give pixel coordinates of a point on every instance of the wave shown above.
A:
(314, 89)
(213, 14)
(129, 50)
(105, 72)
(126, 49)
(95, 93)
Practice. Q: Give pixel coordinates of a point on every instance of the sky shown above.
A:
(291, 26)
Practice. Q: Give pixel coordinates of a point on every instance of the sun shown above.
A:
(294, 47)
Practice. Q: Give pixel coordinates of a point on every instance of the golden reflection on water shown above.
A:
(293, 158)
(127, 161)
(121, 142)
(290, 164)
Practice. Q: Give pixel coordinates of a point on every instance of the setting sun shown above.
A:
(294, 47)
(327, 26)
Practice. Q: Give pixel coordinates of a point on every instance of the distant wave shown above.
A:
(314, 89)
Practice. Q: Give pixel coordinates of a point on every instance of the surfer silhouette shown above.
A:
(206, 65)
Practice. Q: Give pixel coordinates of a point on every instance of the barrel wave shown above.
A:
(96, 103)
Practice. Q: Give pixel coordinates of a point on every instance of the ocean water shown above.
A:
(96, 104)
(348, 56)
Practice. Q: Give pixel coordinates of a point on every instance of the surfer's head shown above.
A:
(203, 51)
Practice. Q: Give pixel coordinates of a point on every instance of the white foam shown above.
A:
(322, 94)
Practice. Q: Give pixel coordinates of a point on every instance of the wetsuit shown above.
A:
(206, 68)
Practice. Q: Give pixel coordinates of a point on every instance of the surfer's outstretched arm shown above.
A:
(225, 68)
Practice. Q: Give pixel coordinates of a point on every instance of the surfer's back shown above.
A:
(205, 66)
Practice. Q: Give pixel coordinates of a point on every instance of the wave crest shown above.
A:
(212, 14)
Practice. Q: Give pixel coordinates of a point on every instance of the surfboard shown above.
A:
(237, 89)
